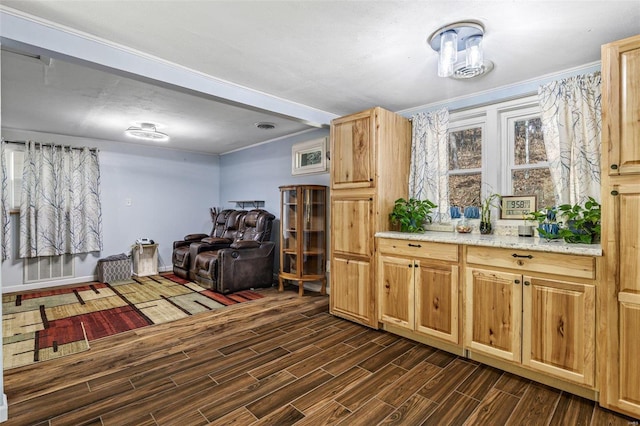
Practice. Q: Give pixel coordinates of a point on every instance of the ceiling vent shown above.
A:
(264, 125)
(462, 72)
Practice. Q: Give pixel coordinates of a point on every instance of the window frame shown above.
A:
(498, 160)
(14, 175)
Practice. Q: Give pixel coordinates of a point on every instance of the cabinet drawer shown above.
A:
(533, 261)
(419, 249)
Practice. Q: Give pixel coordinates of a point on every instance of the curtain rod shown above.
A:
(44, 143)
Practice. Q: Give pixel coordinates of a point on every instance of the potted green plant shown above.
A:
(411, 214)
(485, 212)
(582, 222)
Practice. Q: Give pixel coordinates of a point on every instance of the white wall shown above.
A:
(170, 192)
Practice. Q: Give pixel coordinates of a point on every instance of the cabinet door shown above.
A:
(621, 244)
(621, 106)
(352, 145)
(352, 296)
(352, 225)
(436, 288)
(559, 328)
(312, 225)
(628, 395)
(395, 289)
(493, 320)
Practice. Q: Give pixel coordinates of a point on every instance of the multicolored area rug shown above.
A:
(52, 323)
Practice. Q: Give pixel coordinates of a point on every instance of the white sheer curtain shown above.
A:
(571, 126)
(5, 224)
(429, 172)
(60, 211)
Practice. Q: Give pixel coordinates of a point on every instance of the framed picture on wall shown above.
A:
(309, 157)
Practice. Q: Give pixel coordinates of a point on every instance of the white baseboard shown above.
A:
(76, 280)
(46, 284)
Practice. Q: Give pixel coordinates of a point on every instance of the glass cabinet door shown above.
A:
(313, 223)
(289, 231)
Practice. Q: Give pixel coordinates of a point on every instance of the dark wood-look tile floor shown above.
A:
(280, 360)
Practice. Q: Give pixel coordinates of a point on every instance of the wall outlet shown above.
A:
(328, 266)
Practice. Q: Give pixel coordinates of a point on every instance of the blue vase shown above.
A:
(551, 230)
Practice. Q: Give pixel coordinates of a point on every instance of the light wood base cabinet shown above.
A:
(559, 328)
(545, 324)
(493, 319)
(418, 291)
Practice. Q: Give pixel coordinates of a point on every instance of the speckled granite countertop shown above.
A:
(523, 243)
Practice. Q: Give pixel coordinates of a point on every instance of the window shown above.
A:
(465, 165)
(14, 158)
(498, 148)
(529, 168)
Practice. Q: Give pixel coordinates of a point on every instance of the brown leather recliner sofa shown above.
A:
(181, 257)
(237, 256)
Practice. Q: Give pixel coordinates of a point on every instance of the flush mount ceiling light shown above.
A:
(147, 131)
(452, 38)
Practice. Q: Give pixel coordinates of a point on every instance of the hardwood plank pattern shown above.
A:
(280, 360)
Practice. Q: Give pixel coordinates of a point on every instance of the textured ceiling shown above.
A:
(336, 57)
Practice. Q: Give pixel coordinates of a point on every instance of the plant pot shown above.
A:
(525, 231)
(548, 231)
(485, 228)
(584, 235)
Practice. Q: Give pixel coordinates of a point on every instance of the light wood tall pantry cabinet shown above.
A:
(303, 237)
(370, 153)
(620, 380)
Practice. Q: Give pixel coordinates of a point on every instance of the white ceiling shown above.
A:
(328, 58)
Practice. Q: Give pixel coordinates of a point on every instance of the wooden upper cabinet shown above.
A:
(621, 106)
(352, 147)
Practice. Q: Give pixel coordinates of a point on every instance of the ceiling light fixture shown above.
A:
(148, 132)
(451, 39)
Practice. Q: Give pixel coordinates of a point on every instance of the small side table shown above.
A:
(145, 259)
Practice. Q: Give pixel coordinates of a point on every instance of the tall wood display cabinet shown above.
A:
(370, 155)
(620, 378)
(302, 237)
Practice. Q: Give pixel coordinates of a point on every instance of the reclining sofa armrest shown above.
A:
(198, 247)
(244, 268)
